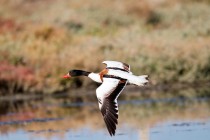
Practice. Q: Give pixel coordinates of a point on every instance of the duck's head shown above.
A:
(73, 73)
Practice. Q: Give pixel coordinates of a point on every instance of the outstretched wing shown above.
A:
(117, 65)
(107, 95)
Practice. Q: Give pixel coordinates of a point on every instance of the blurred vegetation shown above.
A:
(41, 40)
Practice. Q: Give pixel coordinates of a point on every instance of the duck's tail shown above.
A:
(141, 80)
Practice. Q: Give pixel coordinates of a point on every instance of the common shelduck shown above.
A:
(114, 78)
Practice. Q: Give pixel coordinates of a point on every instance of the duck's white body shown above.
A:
(114, 79)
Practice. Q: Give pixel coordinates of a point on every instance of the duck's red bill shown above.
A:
(66, 76)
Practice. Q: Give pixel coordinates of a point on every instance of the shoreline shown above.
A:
(131, 90)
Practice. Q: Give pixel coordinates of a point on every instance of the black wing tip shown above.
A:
(111, 127)
(112, 134)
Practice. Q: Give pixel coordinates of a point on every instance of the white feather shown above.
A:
(115, 64)
(132, 79)
(105, 89)
(95, 77)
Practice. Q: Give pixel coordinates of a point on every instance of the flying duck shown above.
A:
(114, 78)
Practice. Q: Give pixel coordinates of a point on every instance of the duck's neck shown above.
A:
(81, 73)
(94, 76)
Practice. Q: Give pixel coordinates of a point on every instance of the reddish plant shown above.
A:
(8, 25)
(16, 77)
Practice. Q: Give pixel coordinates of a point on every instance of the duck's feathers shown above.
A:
(117, 65)
(107, 95)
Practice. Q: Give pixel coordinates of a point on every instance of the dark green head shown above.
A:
(73, 73)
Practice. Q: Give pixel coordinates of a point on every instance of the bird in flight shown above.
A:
(113, 80)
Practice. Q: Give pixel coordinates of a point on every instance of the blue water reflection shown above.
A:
(173, 130)
(140, 119)
(181, 130)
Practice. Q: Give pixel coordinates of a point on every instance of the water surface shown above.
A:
(69, 117)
